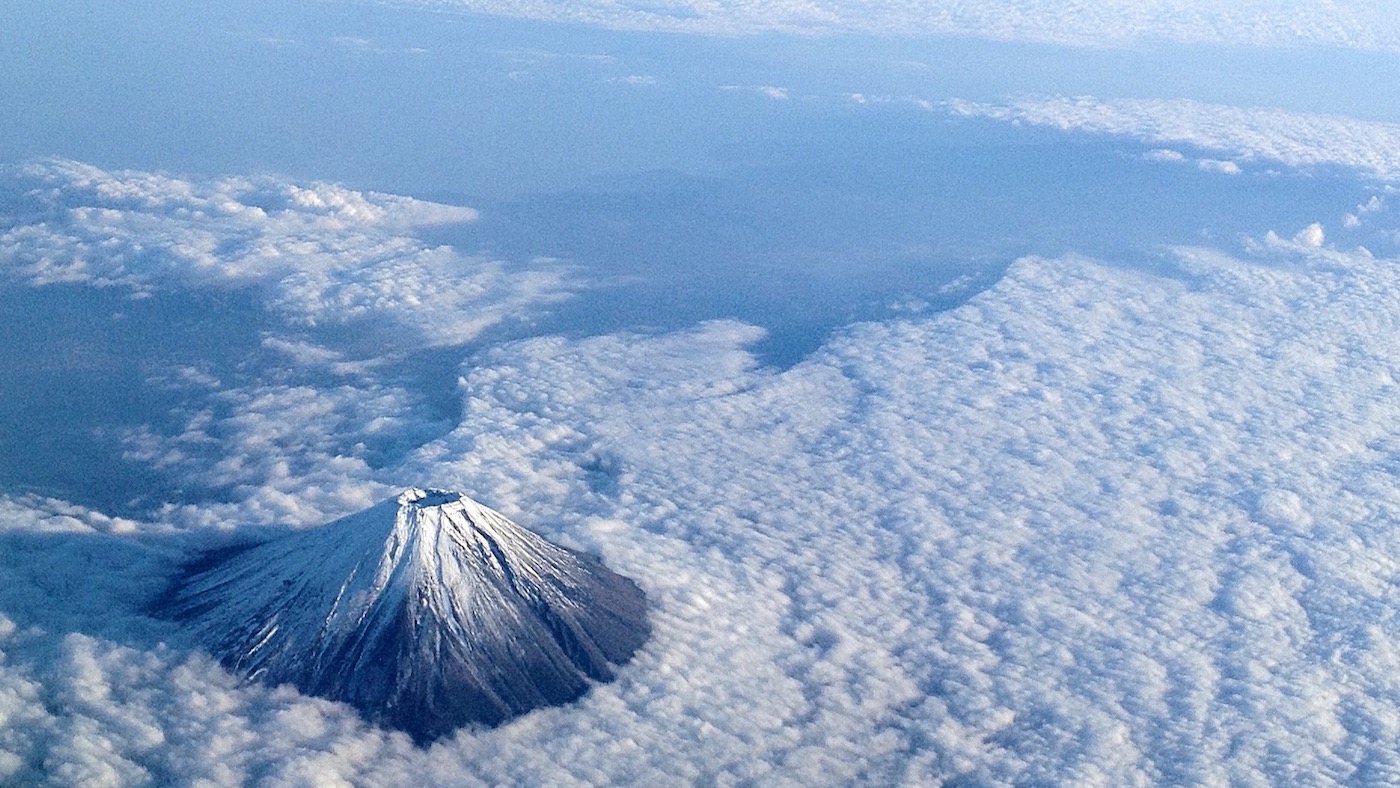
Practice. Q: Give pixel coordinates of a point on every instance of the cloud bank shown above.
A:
(1272, 23)
(1099, 525)
(1292, 139)
(315, 253)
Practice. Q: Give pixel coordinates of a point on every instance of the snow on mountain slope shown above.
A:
(426, 613)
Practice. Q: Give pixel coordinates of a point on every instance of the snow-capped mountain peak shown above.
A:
(426, 612)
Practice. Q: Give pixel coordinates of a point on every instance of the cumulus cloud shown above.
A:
(317, 253)
(1309, 242)
(321, 411)
(280, 453)
(1312, 235)
(1097, 525)
(1278, 23)
(1249, 134)
(1090, 490)
(1353, 219)
(38, 514)
(1217, 165)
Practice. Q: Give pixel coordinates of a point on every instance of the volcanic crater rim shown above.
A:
(427, 498)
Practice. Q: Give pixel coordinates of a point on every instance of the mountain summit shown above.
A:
(426, 612)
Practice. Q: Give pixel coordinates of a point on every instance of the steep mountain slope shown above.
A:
(426, 613)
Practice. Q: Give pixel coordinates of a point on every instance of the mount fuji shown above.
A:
(425, 613)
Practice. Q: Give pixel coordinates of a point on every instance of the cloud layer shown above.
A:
(1277, 23)
(1099, 525)
(316, 253)
(1292, 139)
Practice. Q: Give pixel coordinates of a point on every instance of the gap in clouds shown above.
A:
(79, 366)
(872, 214)
(125, 405)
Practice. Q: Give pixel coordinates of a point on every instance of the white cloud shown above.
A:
(1217, 165)
(865, 99)
(287, 454)
(1353, 219)
(1368, 24)
(771, 91)
(1307, 242)
(319, 253)
(1079, 507)
(1248, 134)
(1165, 154)
(529, 64)
(1168, 155)
(309, 355)
(1312, 235)
(1097, 525)
(35, 514)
